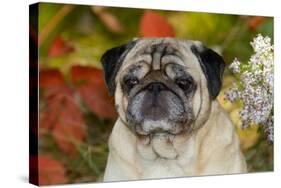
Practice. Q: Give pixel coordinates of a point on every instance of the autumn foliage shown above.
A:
(89, 83)
(61, 116)
(50, 170)
(154, 25)
(59, 47)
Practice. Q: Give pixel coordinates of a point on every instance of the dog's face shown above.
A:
(163, 85)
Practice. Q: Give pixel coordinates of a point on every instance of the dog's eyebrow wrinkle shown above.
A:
(156, 61)
(175, 53)
(159, 51)
(143, 59)
(154, 54)
(172, 59)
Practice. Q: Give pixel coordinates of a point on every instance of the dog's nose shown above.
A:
(156, 87)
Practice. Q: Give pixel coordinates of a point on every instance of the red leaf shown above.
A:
(255, 22)
(51, 78)
(61, 115)
(54, 87)
(91, 87)
(50, 171)
(154, 25)
(59, 47)
(69, 130)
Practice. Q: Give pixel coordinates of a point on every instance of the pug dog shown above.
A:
(170, 123)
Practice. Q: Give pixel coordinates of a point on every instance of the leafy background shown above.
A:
(76, 113)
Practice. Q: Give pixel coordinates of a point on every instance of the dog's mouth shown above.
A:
(157, 109)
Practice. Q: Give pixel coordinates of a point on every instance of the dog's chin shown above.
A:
(157, 127)
(160, 134)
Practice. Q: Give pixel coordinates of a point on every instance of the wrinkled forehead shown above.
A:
(156, 52)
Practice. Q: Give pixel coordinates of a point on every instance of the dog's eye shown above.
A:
(184, 83)
(131, 82)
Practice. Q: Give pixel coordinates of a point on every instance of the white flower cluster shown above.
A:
(254, 86)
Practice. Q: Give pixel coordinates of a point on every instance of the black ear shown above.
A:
(212, 65)
(111, 61)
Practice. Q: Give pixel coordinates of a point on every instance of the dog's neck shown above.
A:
(161, 145)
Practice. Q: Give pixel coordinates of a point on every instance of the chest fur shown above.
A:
(162, 158)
